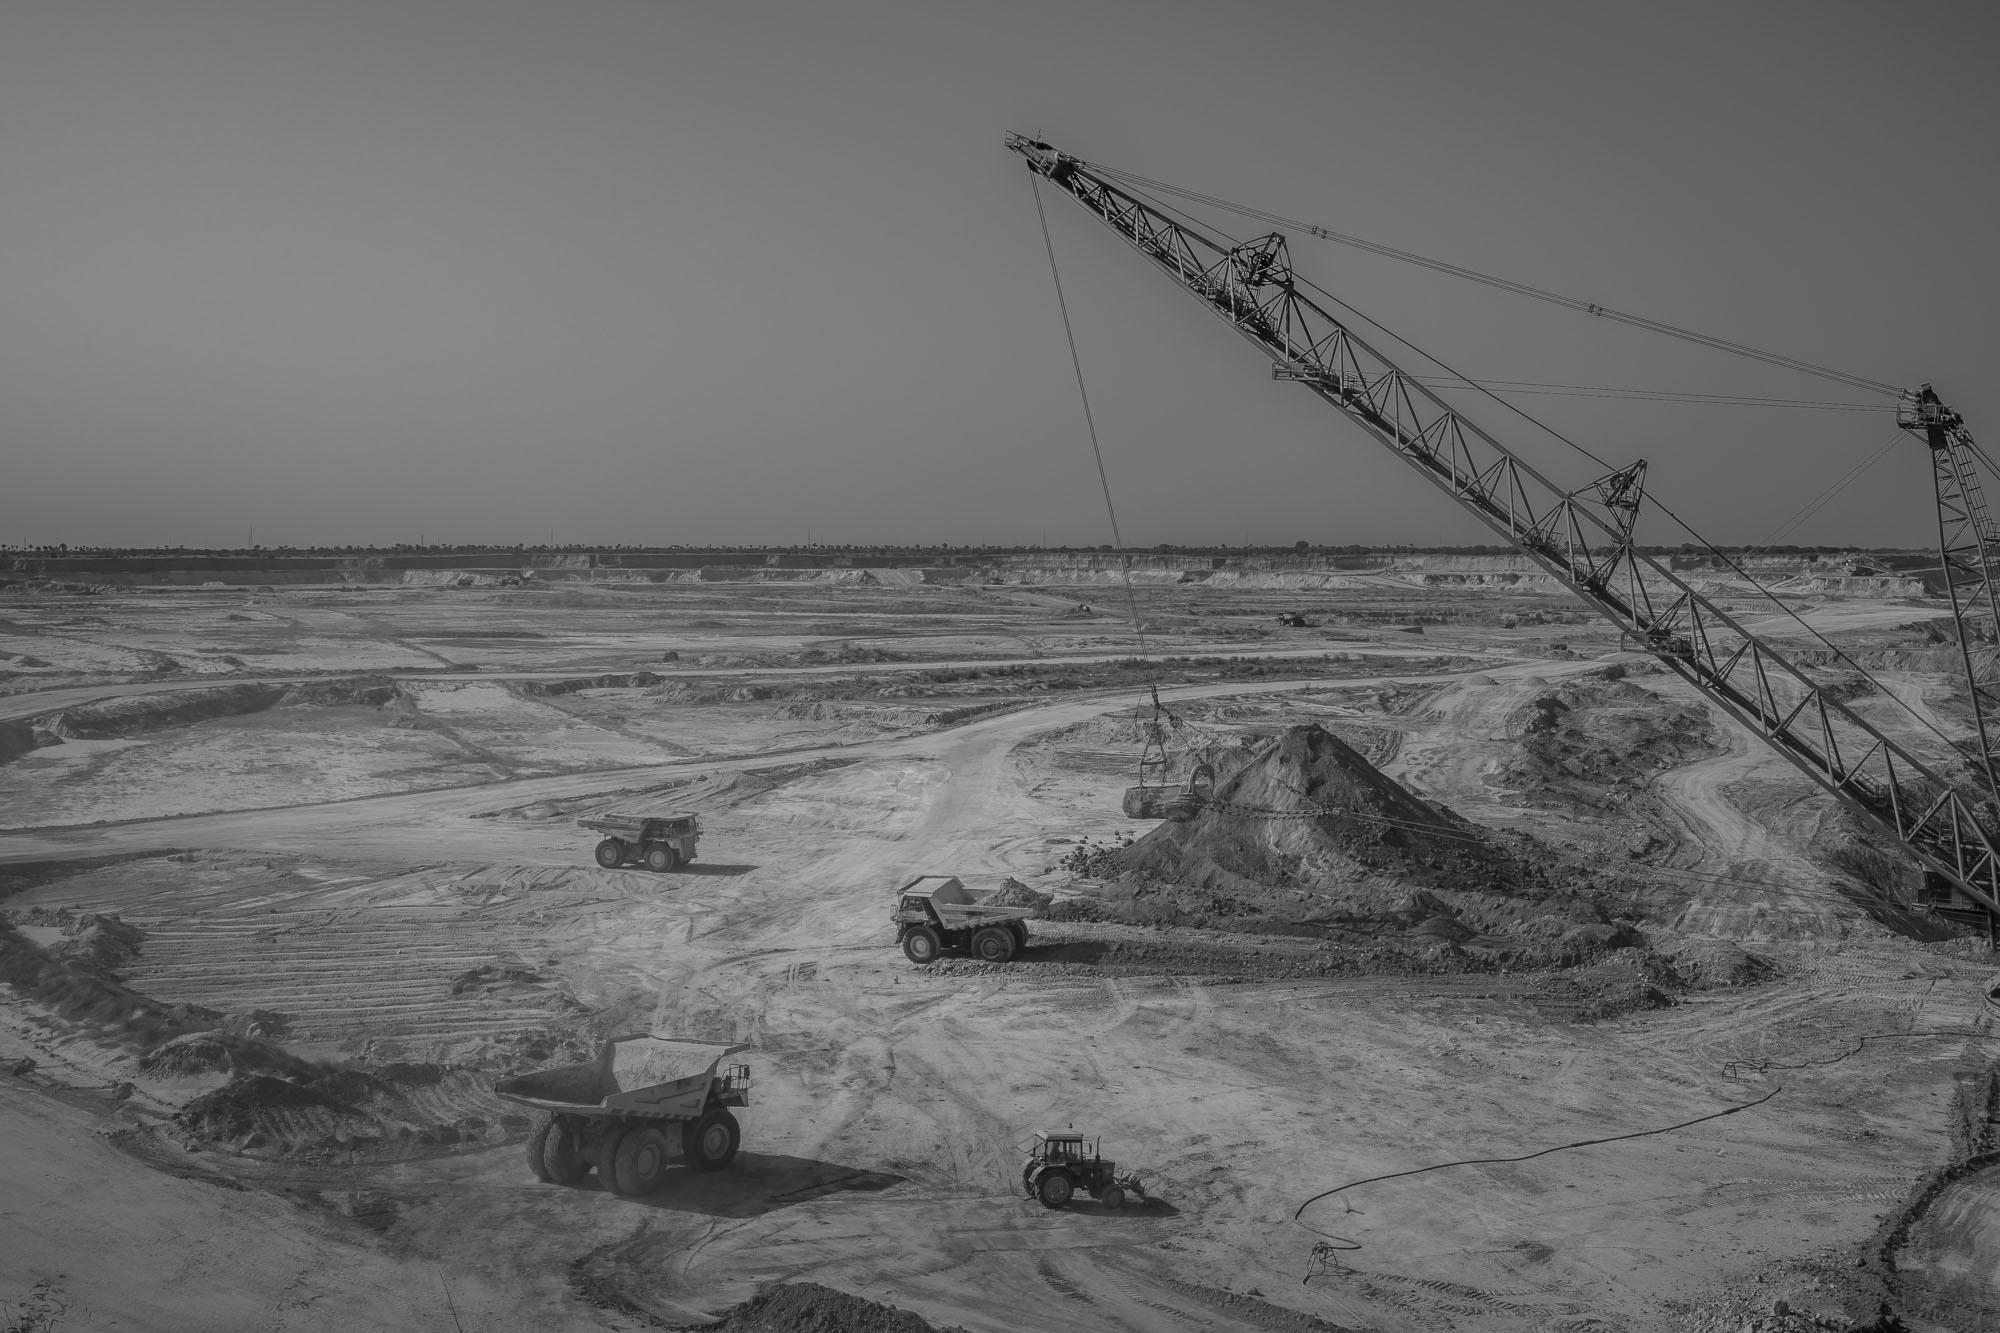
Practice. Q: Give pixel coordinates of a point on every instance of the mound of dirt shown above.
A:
(206, 1052)
(254, 1109)
(1308, 811)
(371, 690)
(101, 944)
(506, 974)
(1013, 893)
(1584, 740)
(113, 718)
(1706, 964)
(807, 1307)
(82, 992)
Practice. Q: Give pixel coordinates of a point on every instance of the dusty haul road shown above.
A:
(881, 1146)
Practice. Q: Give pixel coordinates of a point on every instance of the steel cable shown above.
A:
(1090, 421)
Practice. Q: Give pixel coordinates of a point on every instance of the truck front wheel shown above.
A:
(660, 858)
(710, 1143)
(922, 946)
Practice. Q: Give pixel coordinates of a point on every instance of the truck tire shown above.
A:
(922, 945)
(993, 944)
(611, 853)
(638, 1161)
(1020, 929)
(660, 858)
(538, 1138)
(563, 1155)
(1054, 1188)
(1113, 1196)
(710, 1143)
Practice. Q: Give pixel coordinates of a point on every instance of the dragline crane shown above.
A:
(1583, 536)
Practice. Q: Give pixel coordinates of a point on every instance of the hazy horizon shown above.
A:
(764, 273)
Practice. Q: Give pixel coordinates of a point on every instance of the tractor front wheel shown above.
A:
(611, 853)
(710, 1143)
(1054, 1189)
(993, 944)
(922, 945)
(1113, 1196)
(660, 858)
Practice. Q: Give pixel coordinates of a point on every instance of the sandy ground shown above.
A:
(881, 1146)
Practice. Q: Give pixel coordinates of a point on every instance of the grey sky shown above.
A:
(656, 272)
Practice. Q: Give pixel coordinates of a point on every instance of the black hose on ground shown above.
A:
(1331, 1243)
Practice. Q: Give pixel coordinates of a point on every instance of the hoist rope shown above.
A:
(1505, 284)
(1825, 497)
(1090, 421)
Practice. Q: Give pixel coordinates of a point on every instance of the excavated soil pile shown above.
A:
(1013, 893)
(371, 690)
(807, 1307)
(1309, 812)
(132, 716)
(75, 979)
(1593, 742)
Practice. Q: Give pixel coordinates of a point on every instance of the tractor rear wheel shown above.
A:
(660, 858)
(710, 1143)
(611, 853)
(993, 944)
(1113, 1196)
(1054, 1189)
(922, 945)
(639, 1160)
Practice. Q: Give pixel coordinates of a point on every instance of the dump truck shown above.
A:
(659, 842)
(1061, 1162)
(644, 1103)
(934, 913)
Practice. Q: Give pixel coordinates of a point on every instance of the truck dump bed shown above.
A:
(651, 1076)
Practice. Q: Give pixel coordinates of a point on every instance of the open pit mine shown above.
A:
(517, 940)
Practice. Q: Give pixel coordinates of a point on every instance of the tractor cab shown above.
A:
(1060, 1146)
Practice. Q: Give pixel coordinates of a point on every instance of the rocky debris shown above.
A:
(807, 1307)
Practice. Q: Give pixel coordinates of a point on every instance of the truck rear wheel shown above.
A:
(563, 1155)
(611, 853)
(922, 945)
(1054, 1188)
(639, 1160)
(993, 944)
(538, 1138)
(660, 858)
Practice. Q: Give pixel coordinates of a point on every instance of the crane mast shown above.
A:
(1582, 536)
